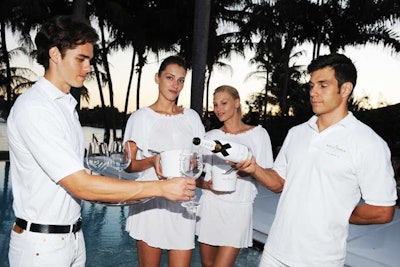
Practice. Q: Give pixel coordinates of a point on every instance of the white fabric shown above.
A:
(159, 222)
(268, 260)
(46, 144)
(326, 174)
(226, 219)
(47, 250)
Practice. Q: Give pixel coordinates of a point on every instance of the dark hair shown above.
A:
(172, 60)
(345, 71)
(64, 33)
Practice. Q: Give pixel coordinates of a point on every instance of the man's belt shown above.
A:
(49, 229)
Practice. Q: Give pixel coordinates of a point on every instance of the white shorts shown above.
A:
(47, 250)
(163, 224)
(267, 260)
(221, 223)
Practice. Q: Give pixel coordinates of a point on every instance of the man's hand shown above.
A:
(178, 188)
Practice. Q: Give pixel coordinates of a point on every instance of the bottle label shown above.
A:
(221, 148)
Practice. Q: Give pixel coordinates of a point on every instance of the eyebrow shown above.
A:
(319, 81)
(84, 56)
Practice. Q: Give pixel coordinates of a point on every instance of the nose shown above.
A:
(312, 91)
(175, 83)
(87, 67)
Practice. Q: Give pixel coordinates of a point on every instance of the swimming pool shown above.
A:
(107, 242)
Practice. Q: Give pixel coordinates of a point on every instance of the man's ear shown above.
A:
(346, 89)
(54, 54)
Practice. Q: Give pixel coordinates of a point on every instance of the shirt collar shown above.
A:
(345, 122)
(56, 94)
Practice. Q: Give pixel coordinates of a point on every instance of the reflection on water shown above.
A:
(107, 242)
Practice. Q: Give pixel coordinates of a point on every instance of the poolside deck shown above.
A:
(374, 245)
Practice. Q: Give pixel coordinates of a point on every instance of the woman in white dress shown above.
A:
(159, 223)
(225, 218)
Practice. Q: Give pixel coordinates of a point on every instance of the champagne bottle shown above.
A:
(226, 150)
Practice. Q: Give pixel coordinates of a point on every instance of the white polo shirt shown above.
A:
(326, 173)
(46, 144)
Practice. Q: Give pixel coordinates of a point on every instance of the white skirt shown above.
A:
(221, 223)
(162, 224)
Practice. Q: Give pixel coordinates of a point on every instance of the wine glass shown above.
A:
(120, 156)
(97, 159)
(191, 165)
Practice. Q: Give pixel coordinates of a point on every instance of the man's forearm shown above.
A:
(369, 214)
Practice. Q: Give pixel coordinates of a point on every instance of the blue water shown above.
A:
(107, 242)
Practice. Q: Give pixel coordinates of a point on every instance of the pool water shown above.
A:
(107, 242)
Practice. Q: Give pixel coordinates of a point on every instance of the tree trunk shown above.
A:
(79, 10)
(104, 52)
(200, 47)
(208, 89)
(78, 14)
(283, 100)
(138, 87)
(128, 90)
(106, 137)
(8, 67)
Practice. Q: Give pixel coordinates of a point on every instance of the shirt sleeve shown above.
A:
(263, 149)
(375, 174)
(44, 136)
(136, 130)
(280, 163)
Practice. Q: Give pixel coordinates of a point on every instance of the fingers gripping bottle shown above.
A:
(226, 150)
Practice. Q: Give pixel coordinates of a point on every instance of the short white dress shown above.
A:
(159, 222)
(227, 219)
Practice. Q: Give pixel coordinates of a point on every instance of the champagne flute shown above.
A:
(97, 159)
(120, 156)
(192, 167)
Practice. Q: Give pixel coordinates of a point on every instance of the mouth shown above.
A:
(314, 102)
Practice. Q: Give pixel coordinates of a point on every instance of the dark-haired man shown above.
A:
(325, 166)
(46, 156)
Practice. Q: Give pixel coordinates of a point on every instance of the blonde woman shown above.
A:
(225, 218)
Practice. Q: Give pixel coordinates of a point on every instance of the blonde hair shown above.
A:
(232, 92)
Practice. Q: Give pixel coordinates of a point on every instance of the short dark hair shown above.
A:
(345, 71)
(64, 33)
(178, 60)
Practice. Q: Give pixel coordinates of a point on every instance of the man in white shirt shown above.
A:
(325, 166)
(46, 156)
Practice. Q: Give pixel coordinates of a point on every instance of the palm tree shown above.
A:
(280, 26)
(18, 79)
(359, 22)
(21, 17)
(200, 46)
(225, 36)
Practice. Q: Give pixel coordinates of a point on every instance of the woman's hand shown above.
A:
(246, 168)
(157, 167)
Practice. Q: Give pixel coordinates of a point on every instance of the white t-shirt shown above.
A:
(326, 173)
(46, 144)
(159, 222)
